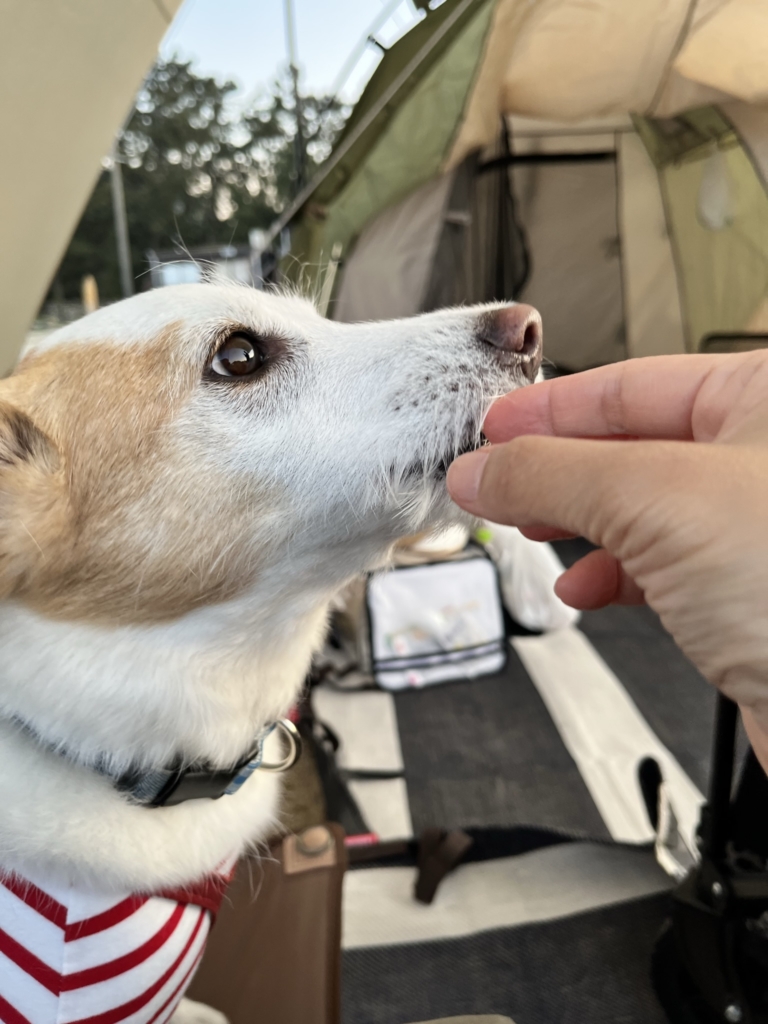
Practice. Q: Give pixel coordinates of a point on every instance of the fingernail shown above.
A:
(465, 474)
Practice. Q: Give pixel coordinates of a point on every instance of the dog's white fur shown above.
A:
(338, 452)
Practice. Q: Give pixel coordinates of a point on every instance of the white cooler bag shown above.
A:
(435, 622)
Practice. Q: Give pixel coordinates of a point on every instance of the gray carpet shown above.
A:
(588, 969)
(673, 697)
(486, 752)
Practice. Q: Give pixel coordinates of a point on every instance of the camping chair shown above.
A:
(711, 959)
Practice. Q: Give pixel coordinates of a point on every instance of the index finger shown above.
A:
(651, 397)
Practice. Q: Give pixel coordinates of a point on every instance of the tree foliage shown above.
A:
(196, 171)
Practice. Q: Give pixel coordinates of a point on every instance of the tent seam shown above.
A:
(444, 166)
(619, 177)
(676, 257)
(678, 45)
(162, 11)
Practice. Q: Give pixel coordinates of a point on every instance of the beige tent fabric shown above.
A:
(758, 322)
(567, 74)
(480, 124)
(569, 214)
(68, 74)
(566, 60)
(751, 123)
(529, 135)
(725, 268)
(574, 60)
(386, 274)
(675, 92)
(678, 94)
(652, 313)
(730, 51)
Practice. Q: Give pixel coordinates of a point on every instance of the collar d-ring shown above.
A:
(292, 741)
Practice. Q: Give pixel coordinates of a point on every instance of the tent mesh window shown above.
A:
(568, 205)
(482, 251)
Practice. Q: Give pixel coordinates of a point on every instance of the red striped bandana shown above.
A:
(73, 957)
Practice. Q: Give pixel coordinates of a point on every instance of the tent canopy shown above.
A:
(634, 147)
(68, 75)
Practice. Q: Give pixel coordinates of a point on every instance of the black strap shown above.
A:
(439, 853)
(169, 785)
(165, 787)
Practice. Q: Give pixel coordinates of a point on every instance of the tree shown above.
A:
(195, 171)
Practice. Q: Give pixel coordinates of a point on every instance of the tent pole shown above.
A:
(299, 149)
(350, 63)
(386, 98)
(721, 780)
(121, 224)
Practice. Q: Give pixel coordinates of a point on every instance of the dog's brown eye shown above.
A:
(237, 357)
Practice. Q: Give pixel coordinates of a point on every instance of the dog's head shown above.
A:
(172, 450)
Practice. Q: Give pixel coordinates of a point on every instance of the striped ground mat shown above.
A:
(557, 934)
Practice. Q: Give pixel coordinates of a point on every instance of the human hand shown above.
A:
(681, 525)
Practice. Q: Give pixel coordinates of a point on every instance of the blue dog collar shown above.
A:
(174, 783)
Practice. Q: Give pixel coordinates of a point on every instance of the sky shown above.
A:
(245, 40)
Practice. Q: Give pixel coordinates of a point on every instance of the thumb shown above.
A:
(596, 489)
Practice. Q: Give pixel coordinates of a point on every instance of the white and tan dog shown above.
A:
(186, 478)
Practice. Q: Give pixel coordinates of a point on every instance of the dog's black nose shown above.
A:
(515, 330)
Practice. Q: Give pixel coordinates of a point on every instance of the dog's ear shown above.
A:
(22, 443)
(32, 497)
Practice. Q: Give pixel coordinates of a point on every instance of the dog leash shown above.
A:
(175, 783)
